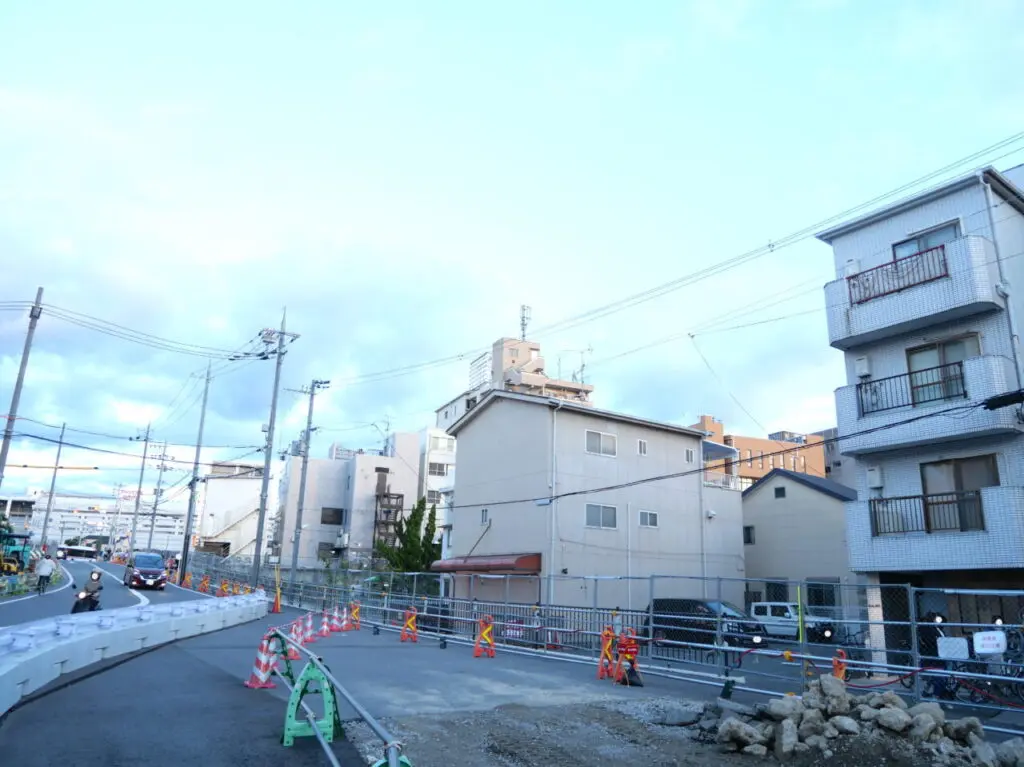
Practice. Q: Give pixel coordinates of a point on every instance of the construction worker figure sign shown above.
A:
(485, 638)
(627, 670)
(409, 631)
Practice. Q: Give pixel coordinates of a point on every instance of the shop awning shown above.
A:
(504, 563)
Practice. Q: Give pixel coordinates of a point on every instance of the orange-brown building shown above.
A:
(756, 454)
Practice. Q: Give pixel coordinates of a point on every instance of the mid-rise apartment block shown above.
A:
(926, 306)
(756, 457)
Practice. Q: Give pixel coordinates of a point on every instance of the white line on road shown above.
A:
(33, 596)
(143, 599)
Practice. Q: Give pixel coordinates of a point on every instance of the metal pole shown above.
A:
(194, 482)
(302, 482)
(12, 413)
(156, 495)
(53, 485)
(138, 495)
(254, 577)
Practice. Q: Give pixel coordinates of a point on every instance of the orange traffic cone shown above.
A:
(296, 636)
(259, 679)
(309, 636)
(346, 622)
(335, 620)
(325, 626)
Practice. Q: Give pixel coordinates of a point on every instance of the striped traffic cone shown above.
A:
(296, 637)
(259, 679)
(335, 620)
(309, 636)
(325, 625)
(346, 622)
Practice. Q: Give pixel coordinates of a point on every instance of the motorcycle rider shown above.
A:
(93, 587)
(44, 571)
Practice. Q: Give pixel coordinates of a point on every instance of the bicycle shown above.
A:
(42, 584)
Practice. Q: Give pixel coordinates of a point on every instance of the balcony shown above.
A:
(882, 404)
(957, 531)
(942, 284)
(720, 480)
(948, 512)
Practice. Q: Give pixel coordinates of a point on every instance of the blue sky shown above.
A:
(403, 178)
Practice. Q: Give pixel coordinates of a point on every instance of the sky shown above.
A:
(404, 176)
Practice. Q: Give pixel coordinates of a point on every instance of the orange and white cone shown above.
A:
(259, 679)
(325, 625)
(296, 636)
(309, 636)
(346, 622)
(335, 620)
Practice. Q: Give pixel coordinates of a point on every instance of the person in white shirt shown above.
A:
(44, 569)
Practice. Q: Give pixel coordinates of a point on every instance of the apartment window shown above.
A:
(443, 444)
(952, 491)
(484, 516)
(600, 516)
(648, 519)
(780, 492)
(599, 443)
(433, 497)
(771, 461)
(689, 455)
(324, 550)
(641, 447)
(437, 469)
(332, 516)
(760, 459)
(803, 463)
(748, 535)
(934, 372)
(926, 240)
(513, 353)
(793, 462)
(777, 591)
(750, 459)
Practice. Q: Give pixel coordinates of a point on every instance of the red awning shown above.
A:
(505, 563)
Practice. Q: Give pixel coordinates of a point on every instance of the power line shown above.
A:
(100, 449)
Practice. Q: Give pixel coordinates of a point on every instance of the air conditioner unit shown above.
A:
(862, 367)
(874, 474)
(341, 542)
(852, 267)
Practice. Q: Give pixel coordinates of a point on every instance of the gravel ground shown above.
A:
(607, 733)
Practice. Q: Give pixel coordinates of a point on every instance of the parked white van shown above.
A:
(782, 619)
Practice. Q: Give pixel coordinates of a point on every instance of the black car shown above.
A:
(696, 621)
(145, 570)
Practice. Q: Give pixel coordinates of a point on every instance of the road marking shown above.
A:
(67, 583)
(143, 599)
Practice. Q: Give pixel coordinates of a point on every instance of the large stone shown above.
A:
(845, 725)
(866, 714)
(786, 739)
(817, 741)
(832, 686)
(789, 707)
(983, 755)
(811, 723)
(894, 719)
(875, 700)
(934, 710)
(961, 729)
(739, 732)
(756, 750)
(922, 726)
(1011, 752)
(890, 698)
(676, 715)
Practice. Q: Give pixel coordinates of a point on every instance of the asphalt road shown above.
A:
(59, 600)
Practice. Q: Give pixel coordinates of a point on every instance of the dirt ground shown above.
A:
(595, 734)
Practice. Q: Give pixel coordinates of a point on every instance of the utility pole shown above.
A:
(306, 438)
(269, 336)
(159, 492)
(12, 413)
(112, 537)
(53, 486)
(194, 482)
(138, 495)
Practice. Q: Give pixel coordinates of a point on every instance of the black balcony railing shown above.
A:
(959, 512)
(898, 275)
(937, 384)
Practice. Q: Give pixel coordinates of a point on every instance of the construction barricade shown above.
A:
(606, 661)
(409, 631)
(484, 638)
(354, 609)
(627, 668)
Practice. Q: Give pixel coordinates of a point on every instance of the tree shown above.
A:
(5, 525)
(414, 550)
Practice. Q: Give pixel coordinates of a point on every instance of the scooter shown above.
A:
(86, 602)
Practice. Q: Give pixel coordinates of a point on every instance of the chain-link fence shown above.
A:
(963, 647)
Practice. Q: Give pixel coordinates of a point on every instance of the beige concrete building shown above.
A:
(794, 529)
(525, 505)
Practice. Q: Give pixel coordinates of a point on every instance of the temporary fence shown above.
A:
(776, 634)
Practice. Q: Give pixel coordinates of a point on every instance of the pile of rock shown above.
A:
(827, 717)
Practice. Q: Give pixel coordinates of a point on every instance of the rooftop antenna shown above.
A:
(583, 363)
(525, 315)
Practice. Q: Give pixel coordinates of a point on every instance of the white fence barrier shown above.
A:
(34, 654)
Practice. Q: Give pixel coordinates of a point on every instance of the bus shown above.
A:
(76, 552)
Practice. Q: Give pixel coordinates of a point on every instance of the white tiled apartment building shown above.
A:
(518, 453)
(926, 307)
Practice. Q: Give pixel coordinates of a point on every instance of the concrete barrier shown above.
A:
(34, 654)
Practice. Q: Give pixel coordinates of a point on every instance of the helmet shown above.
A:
(96, 575)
